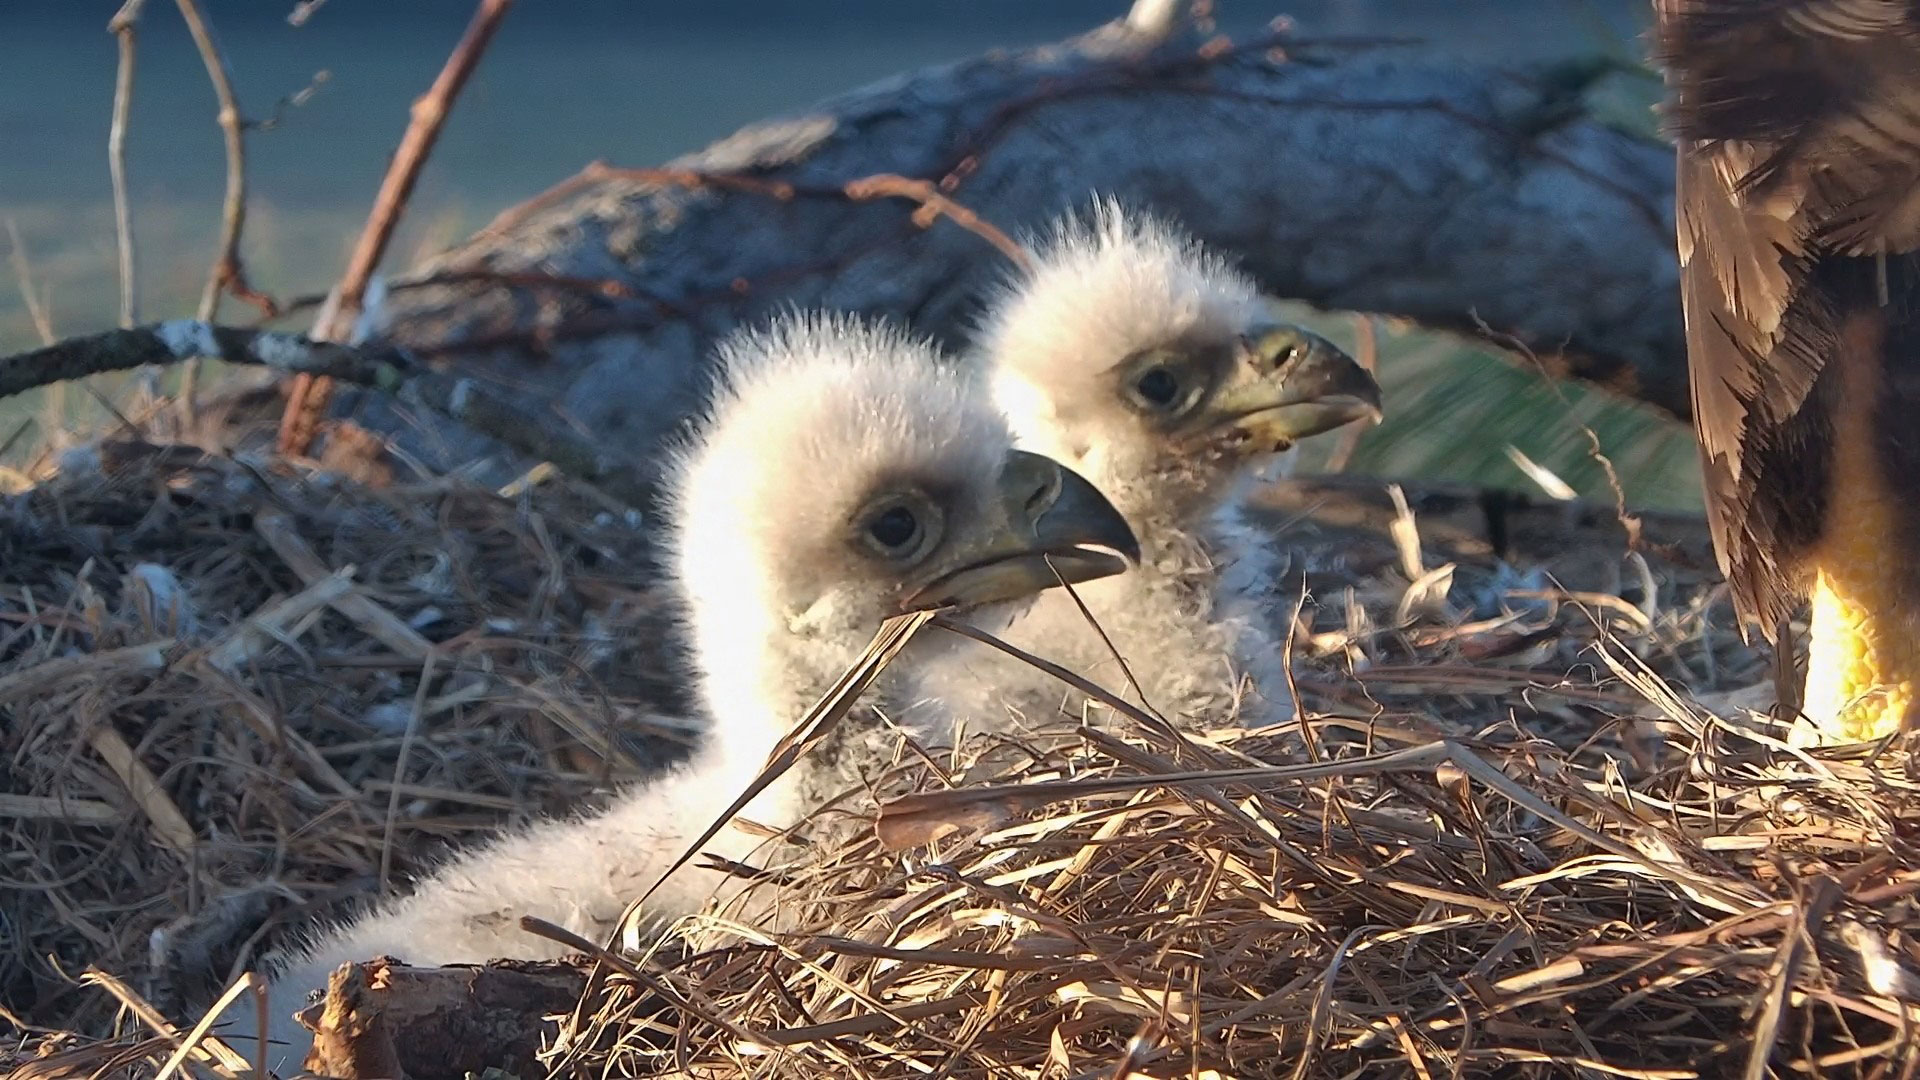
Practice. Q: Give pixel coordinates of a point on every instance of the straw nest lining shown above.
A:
(208, 669)
(1441, 907)
(1629, 895)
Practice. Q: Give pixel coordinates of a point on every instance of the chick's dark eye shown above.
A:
(895, 528)
(1158, 387)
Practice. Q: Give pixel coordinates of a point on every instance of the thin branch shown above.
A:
(934, 204)
(538, 435)
(121, 26)
(278, 114)
(53, 416)
(180, 340)
(307, 401)
(29, 294)
(1628, 521)
(303, 11)
(233, 213)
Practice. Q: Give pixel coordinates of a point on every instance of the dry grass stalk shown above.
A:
(1477, 906)
(187, 683)
(1492, 877)
(1084, 906)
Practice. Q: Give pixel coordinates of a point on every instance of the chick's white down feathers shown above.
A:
(807, 419)
(1193, 622)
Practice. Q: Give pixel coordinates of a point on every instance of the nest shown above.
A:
(1445, 906)
(239, 692)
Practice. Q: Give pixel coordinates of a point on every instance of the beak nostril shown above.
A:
(1043, 495)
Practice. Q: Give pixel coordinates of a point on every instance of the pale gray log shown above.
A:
(1379, 179)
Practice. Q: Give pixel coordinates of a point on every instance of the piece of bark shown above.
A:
(1378, 179)
(383, 1020)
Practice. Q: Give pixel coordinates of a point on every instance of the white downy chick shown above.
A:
(845, 473)
(1133, 355)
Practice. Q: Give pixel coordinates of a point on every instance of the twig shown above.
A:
(53, 413)
(606, 288)
(233, 212)
(211, 1050)
(307, 401)
(180, 339)
(400, 761)
(70, 811)
(934, 204)
(121, 26)
(539, 435)
(200, 1032)
(23, 275)
(303, 11)
(278, 114)
(1628, 521)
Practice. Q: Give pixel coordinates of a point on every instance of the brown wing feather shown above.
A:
(1798, 124)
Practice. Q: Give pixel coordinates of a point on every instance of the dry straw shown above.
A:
(1514, 845)
(1458, 906)
(234, 694)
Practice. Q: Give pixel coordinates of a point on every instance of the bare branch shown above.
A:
(29, 294)
(278, 114)
(391, 370)
(53, 413)
(233, 213)
(179, 340)
(303, 11)
(934, 204)
(121, 26)
(307, 401)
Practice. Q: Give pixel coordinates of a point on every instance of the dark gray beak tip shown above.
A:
(1083, 518)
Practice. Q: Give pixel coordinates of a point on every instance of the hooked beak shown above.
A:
(1292, 384)
(1050, 526)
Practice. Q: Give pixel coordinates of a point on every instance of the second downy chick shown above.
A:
(1133, 355)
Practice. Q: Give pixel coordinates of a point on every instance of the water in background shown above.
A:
(566, 82)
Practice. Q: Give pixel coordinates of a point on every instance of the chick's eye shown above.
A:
(894, 529)
(1158, 387)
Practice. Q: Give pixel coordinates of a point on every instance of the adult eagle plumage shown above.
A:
(1798, 213)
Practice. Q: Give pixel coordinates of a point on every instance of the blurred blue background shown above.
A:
(566, 82)
(636, 82)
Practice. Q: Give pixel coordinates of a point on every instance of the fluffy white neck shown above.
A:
(1192, 624)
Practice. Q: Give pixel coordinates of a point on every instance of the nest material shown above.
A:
(1506, 862)
(208, 673)
(1451, 907)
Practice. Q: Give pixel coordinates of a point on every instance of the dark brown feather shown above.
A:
(1798, 124)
